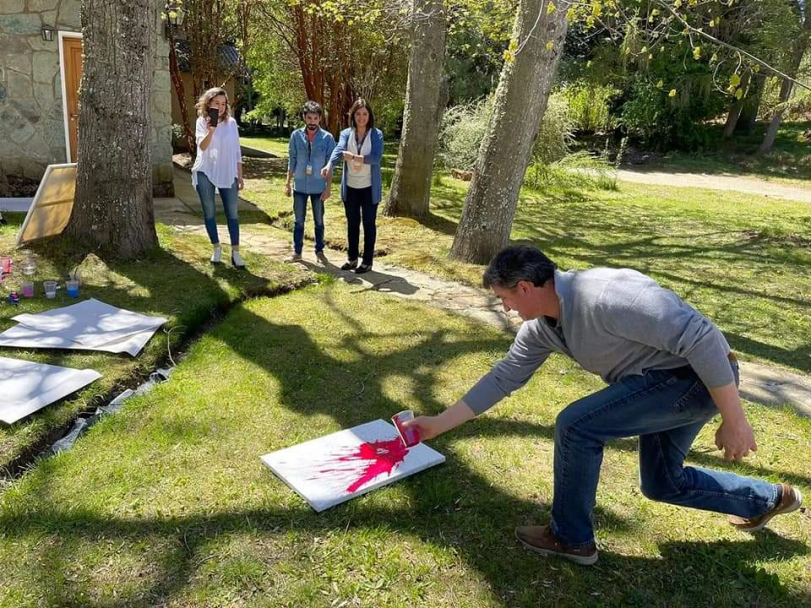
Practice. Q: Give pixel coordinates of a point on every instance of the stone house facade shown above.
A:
(35, 120)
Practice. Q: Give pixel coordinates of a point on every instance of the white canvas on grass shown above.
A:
(26, 387)
(339, 467)
(87, 325)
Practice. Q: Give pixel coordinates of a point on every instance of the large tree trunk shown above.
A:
(751, 106)
(800, 46)
(112, 210)
(520, 104)
(411, 187)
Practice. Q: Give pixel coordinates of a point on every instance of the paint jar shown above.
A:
(28, 289)
(410, 437)
(29, 266)
(50, 289)
(73, 288)
(5, 264)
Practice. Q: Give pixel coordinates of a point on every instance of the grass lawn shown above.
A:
(176, 282)
(167, 503)
(274, 145)
(743, 260)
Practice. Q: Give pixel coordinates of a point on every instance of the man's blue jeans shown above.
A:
(230, 202)
(666, 409)
(300, 211)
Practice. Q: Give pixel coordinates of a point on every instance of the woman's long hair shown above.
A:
(205, 99)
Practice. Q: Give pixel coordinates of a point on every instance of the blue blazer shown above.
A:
(371, 159)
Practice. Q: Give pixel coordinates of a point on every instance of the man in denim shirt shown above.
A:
(310, 149)
(669, 372)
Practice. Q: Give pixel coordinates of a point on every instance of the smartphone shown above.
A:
(214, 115)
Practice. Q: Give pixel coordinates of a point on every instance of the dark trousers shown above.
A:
(360, 208)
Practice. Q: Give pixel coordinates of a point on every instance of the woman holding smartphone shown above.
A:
(361, 149)
(218, 166)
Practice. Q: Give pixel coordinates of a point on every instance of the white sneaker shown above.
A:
(236, 260)
(216, 257)
(293, 257)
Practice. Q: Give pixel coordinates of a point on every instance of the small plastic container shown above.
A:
(50, 289)
(28, 289)
(410, 437)
(73, 288)
(29, 266)
(5, 264)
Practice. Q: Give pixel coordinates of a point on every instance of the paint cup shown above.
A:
(73, 288)
(29, 266)
(28, 289)
(410, 437)
(5, 264)
(50, 289)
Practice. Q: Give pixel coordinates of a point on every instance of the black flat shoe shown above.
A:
(349, 265)
(363, 268)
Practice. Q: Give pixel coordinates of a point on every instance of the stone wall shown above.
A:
(32, 127)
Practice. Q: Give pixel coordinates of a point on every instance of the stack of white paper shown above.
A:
(88, 325)
(26, 387)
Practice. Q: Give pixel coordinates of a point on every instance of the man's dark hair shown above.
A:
(311, 107)
(518, 263)
(361, 103)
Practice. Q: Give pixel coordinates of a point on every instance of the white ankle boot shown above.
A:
(216, 257)
(236, 260)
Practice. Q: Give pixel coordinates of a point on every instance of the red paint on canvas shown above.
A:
(370, 460)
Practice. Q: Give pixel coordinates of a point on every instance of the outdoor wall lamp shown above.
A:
(48, 33)
(172, 16)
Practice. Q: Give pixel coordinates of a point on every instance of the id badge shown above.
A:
(309, 170)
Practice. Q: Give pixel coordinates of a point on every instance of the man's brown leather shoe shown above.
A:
(790, 500)
(542, 540)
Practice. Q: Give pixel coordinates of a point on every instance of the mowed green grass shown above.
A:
(743, 260)
(168, 504)
(176, 282)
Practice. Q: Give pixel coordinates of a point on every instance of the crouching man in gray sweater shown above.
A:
(669, 371)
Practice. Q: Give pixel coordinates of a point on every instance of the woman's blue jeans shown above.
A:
(230, 202)
(666, 409)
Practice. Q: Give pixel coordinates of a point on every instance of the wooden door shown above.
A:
(72, 53)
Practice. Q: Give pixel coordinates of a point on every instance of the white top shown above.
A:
(218, 161)
(359, 176)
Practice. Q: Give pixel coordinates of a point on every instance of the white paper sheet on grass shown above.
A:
(309, 468)
(26, 387)
(88, 325)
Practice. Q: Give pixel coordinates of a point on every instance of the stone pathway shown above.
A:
(760, 383)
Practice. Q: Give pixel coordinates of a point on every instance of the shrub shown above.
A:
(464, 127)
(590, 106)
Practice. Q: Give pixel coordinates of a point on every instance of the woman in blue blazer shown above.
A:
(361, 149)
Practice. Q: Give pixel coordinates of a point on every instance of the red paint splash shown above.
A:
(375, 459)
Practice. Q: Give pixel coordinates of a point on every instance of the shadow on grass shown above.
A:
(453, 507)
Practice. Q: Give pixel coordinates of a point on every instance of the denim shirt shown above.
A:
(301, 155)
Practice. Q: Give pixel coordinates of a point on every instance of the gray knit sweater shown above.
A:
(614, 323)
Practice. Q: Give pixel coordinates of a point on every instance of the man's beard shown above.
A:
(312, 127)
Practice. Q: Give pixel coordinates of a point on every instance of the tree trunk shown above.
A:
(735, 110)
(519, 107)
(411, 187)
(112, 209)
(751, 105)
(800, 47)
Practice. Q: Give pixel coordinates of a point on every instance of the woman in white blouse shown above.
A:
(218, 165)
(361, 149)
